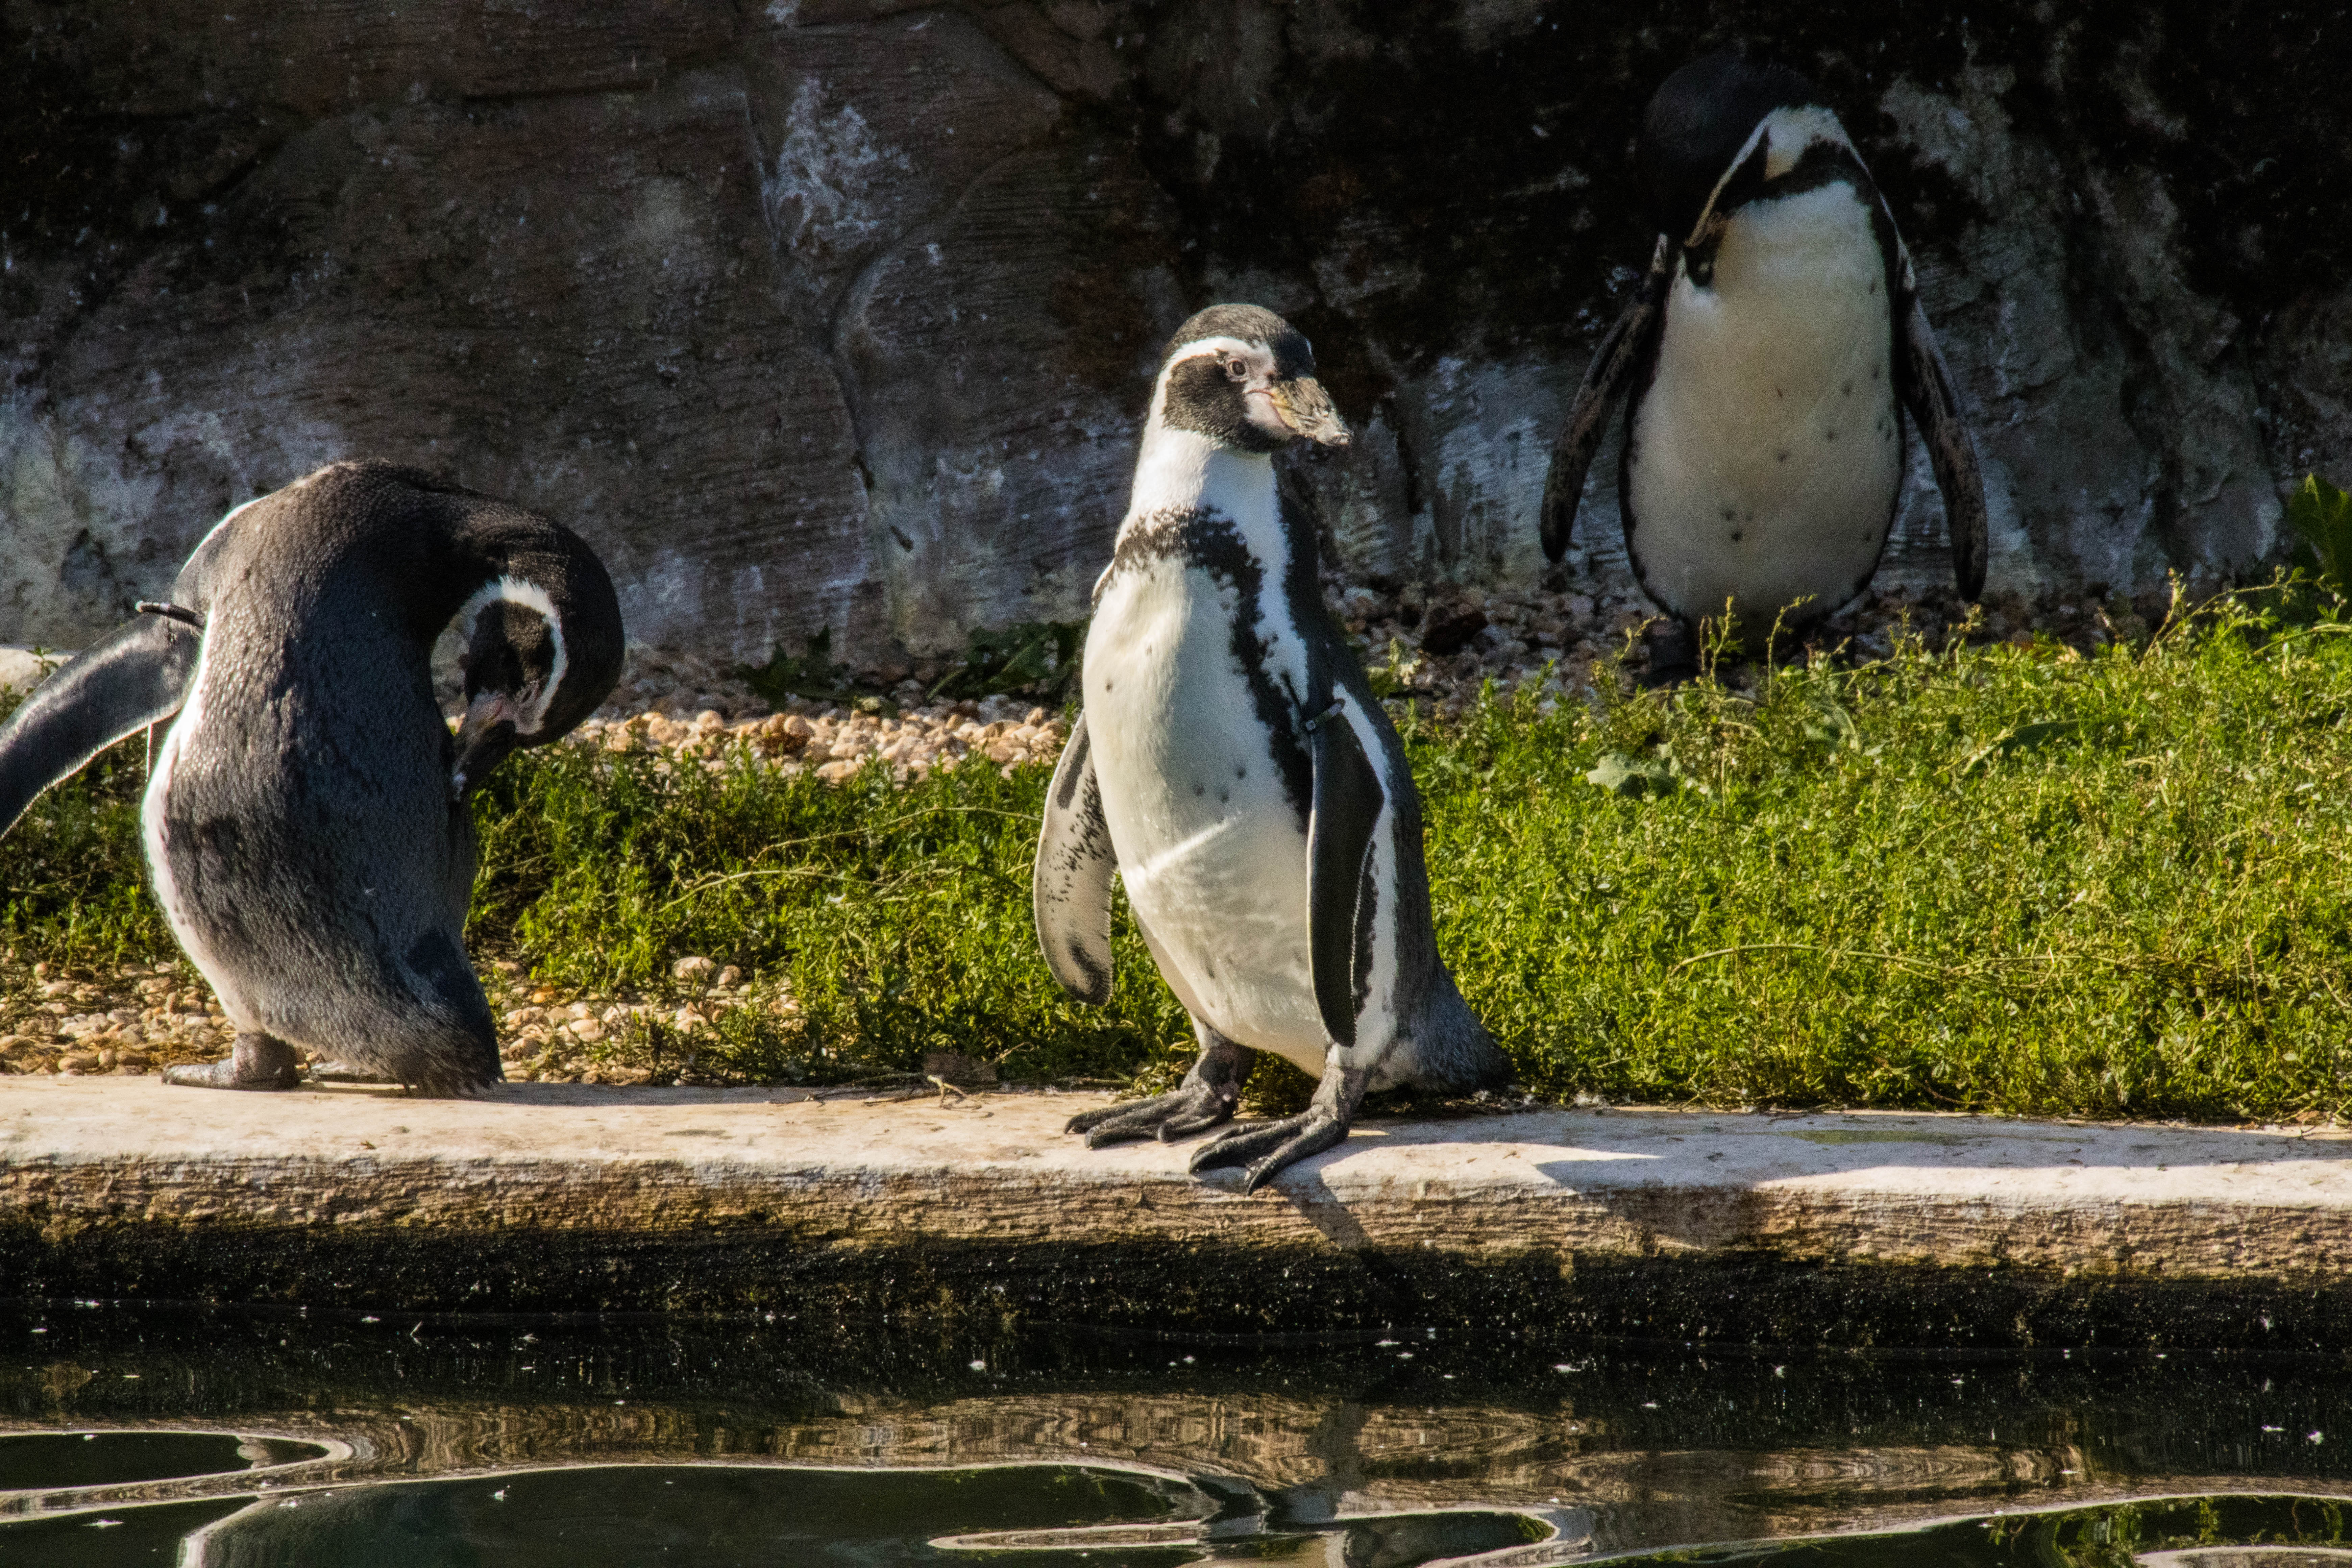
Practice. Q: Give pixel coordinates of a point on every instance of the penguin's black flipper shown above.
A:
(1926, 386)
(136, 677)
(1071, 884)
(1347, 805)
(1588, 418)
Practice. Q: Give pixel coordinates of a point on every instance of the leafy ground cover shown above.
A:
(1989, 877)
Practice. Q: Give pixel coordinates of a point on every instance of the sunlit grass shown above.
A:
(1992, 877)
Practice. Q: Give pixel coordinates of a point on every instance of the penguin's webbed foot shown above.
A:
(224, 1074)
(1267, 1149)
(258, 1062)
(1207, 1097)
(1192, 1107)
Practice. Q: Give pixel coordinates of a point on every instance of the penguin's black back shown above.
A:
(310, 853)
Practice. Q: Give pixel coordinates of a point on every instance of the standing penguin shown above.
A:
(1232, 764)
(1769, 351)
(305, 819)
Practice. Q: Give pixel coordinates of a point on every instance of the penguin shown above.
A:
(1233, 765)
(305, 818)
(1771, 353)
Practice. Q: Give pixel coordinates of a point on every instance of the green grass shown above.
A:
(1994, 877)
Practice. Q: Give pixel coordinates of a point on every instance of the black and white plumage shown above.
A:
(1769, 352)
(305, 818)
(1232, 764)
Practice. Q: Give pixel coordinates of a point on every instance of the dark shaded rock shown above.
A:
(2305, 363)
(181, 56)
(1449, 632)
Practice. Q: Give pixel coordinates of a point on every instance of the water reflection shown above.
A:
(606, 1517)
(46, 1461)
(713, 1515)
(1401, 1449)
(2172, 1532)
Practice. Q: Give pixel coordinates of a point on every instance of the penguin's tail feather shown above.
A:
(1451, 1050)
(135, 677)
(445, 1042)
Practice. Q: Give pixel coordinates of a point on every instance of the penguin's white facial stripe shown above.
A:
(530, 705)
(507, 591)
(1739, 158)
(1257, 358)
(1255, 354)
(1246, 395)
(1785, 134)
(1789, 132)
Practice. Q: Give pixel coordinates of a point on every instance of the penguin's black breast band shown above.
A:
(170, 612)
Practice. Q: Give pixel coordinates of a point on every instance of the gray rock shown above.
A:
(566, 300)
(992, 361)
(823, 313)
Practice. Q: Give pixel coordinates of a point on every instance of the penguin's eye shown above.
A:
(1237, 370)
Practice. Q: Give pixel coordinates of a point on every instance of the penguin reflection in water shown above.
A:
(1770, 353)
(305, 816)
(1233, 765)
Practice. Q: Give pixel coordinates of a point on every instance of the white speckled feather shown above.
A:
(1212, 855)
(1768, 450)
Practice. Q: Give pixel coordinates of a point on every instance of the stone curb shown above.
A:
(1869, 1230)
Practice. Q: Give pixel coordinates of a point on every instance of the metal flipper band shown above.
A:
(170, 612)
(1337, 706)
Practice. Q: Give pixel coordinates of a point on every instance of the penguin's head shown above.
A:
(542, 652)
(1244, 377)
(1717, 132)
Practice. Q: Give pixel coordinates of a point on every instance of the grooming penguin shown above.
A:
(1232, 764)
(305, 816)
(1769, 352)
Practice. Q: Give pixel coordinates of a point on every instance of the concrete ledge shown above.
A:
(1864, 1230)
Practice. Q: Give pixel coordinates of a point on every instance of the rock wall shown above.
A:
(837, 314)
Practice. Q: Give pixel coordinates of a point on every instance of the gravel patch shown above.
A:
(837, 743)
(134, 1020)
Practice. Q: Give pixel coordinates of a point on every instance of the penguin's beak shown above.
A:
(485, 736)
(1305, 409)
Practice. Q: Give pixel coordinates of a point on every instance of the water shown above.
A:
(177, 1435)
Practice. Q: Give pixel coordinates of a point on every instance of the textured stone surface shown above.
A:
(870, 1188)
(836, 314)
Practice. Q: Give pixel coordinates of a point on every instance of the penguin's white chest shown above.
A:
(180, 909)
(1211, 851)
(1767, 452)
